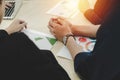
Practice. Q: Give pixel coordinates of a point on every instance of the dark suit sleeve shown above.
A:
(83, 63)
(103, 64)
(3, 34)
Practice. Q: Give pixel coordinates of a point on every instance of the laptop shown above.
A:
(11, 12)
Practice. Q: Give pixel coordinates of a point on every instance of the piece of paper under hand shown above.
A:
(41, 40)
(86, 43)
(64, 53)
(65, 8)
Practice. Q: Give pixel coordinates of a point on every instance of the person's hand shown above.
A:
(84, 5)
(16, 26)
(8, 5)
(59, 28)
(72, 27)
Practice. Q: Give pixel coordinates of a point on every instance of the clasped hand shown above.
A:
(59, 27)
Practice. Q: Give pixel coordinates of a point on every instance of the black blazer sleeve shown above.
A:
(103, 64)
(83, 64)
(3, 34)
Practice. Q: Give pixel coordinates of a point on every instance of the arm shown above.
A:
(85, 30)
(3, 34)
(80, 30)
(100, 11)
(73, 47)
(60, 29)
(83, 61)
(16, 26)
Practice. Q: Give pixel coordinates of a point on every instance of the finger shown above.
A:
(50, 22)
(53, 24)
(58, 20)
(8, 5)
(61, 21)
(24, 25)
(55, 20)
(52, 31)
(19, 21)
(62, 18)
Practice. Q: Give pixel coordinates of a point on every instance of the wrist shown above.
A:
(8, 31)
(74, 29)
(66, 37)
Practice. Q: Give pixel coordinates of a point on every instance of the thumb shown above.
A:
(61, 21)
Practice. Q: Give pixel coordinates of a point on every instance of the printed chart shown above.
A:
(41, 40)
(86, 43)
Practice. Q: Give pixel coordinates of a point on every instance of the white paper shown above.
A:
(86, 43)
(65, 8)
(64, 52)
(41, 40)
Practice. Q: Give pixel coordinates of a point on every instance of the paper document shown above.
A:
(86, 43)
(41, 40)
(65, 8)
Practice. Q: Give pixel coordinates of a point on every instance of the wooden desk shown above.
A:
(34, 13)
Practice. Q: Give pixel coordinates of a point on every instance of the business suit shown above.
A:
(20, 59)
(103, 62)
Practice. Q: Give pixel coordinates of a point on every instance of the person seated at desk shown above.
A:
(103, 62)
(100, 9)
(98, 14)
(20, 58)
(95, 16)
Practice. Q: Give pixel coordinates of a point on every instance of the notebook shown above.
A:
(12, 11)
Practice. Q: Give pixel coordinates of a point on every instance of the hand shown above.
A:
(7, 5)
(84, 5)
(16, 26)
(59, 28)
(72, 27)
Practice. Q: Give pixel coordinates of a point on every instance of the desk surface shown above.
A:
(34, 13)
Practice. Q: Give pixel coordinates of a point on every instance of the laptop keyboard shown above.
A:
(10, 10)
